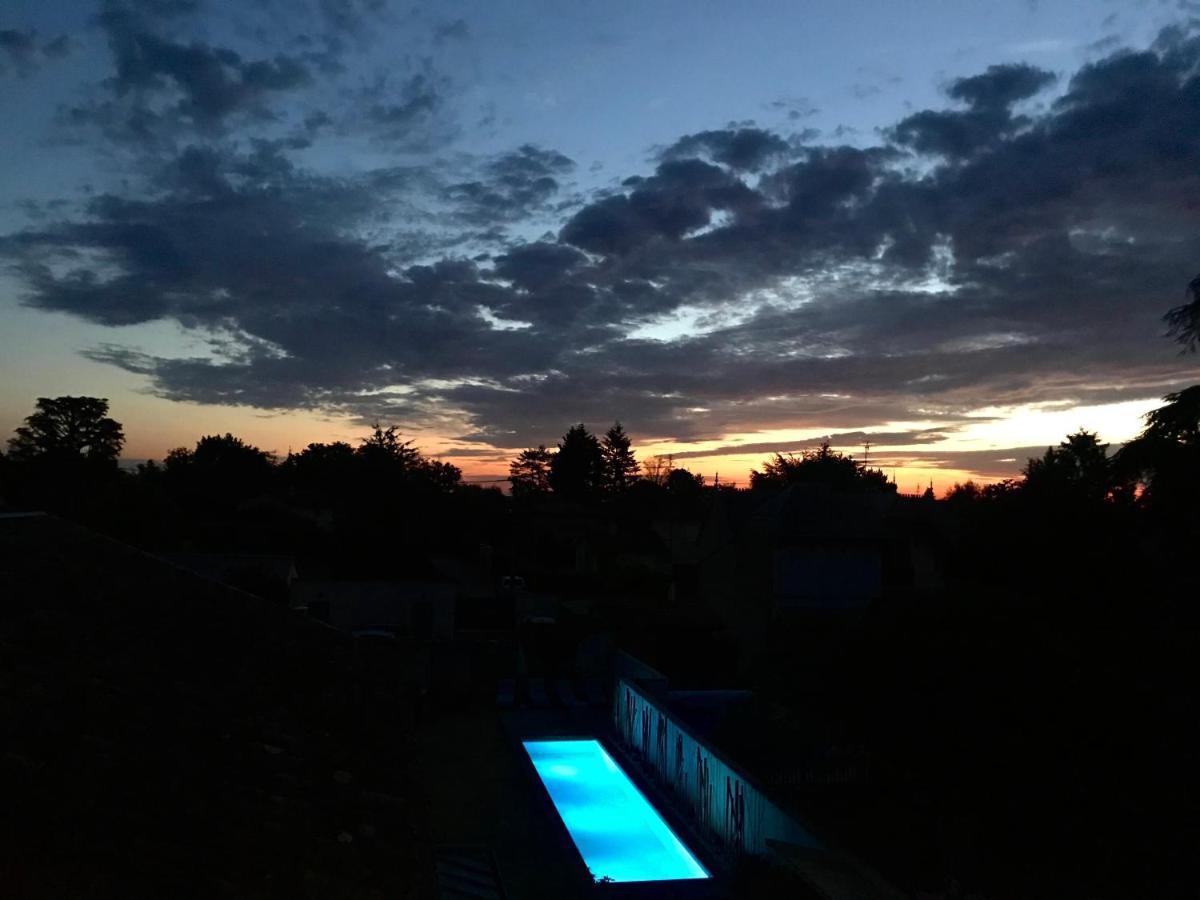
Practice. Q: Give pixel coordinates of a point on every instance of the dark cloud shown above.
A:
(846, 440)
(19, 46)
(213, 82)
(163, 88)
(351, 16)
(169, 86)
(745, 149)
(22, 51)
(58, 48)
(396, 110)
(973, 257)
(679, 198)
(511, 186)
(1000, 86)
(538, 265)
(989, 97)
(456, 30)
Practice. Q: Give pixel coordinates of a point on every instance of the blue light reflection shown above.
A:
(618, 833)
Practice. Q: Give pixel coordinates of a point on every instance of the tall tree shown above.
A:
(620, 465)
(577, 470)
(68, 428)
(1183, 322)
(529, 473)
(1165, 457)
(1078, 467)
(383, 448)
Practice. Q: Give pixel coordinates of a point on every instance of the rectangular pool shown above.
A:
(617, 832)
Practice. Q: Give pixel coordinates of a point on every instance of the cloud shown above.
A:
(988, 117)
(680, 197)
(745, 149)
(1000, 86)
(973, 256)
(511, 186)
(351, 16)
(23, 52)
(843, 439)
(454, 30)
(168, 85)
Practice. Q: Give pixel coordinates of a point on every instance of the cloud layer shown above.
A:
(1018, 245)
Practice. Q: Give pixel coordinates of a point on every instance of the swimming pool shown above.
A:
(618, 833)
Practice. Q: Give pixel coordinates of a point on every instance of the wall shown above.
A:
(731, 809)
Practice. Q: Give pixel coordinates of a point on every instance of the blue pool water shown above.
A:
(616, 830)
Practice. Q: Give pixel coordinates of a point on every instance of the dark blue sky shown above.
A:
(951, 226)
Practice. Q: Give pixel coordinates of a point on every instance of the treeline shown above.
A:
(1084, 519)
(583, 467)
(375, 507)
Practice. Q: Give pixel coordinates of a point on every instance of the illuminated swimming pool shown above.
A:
(616, 830)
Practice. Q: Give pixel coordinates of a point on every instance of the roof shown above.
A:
(223, 566)
(164, 735)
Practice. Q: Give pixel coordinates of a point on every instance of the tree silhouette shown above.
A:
(1165, 457)
(658, 469)
(439, 474)
(66, 429)
(221, 468)
(683, 483)
(321, 465)
(1178, 420)
(1078, 467)
(577, 469)
(1183, 322)
(529, 473)
(620, 465)
(823, 465)
(383, 449)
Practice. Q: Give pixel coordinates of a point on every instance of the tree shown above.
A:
(221, 467)
(1183, 322)
(64, 429)
(1078, 467)
(529, 473)
(577, 469)
(658, 469)
(439, 474)
(683, 483)
(1178, 421)
(1165, 458)
(383, 449)
(620, 465)
(323, 473)
(823, 465)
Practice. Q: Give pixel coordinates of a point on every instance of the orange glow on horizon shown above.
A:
(153, 426)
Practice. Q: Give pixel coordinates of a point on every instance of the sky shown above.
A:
(948, 230)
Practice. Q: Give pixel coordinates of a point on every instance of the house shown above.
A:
(807, 551)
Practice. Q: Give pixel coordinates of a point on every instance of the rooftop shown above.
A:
(165, 735)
